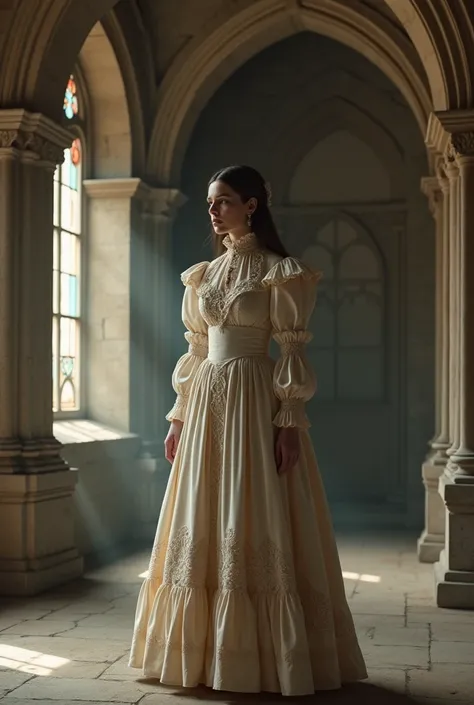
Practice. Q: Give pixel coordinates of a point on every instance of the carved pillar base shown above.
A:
(431, 541)
(37, 542)
(454, 572)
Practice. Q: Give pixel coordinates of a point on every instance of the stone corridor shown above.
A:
(71, 645)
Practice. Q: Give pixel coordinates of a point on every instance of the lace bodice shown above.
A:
(231, 291)
(251, 287)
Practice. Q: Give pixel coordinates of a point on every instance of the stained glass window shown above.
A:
(66, 280)
(71, 102)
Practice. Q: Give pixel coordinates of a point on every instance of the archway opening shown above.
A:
(344, 156)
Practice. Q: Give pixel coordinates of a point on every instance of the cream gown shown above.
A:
(244, 589)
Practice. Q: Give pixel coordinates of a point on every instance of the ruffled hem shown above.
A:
(290, 268)
(178, 412)
(194, 275)
(239, 642)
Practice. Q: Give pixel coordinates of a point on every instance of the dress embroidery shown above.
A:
(217, 301)
(183, 561)
(239, 595)
(231, 562)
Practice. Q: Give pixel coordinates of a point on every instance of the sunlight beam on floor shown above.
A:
(365, 577)
(17, 659)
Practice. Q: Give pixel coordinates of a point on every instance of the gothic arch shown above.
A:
(336, 114)
(207, 62)
(441, 32)
(42, 43)
(109, 117)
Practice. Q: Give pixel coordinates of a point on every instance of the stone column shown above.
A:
(431, 540)
(151, 363)
(452, 172)
(454, 571)
(37, 543)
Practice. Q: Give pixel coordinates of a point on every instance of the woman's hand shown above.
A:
(287, 449)
(172, 440)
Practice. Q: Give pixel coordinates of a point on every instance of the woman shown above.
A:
(244, 591)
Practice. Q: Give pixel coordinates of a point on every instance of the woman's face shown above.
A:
(228, 213)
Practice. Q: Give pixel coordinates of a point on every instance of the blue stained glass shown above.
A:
(67, 366)
(69, 303)
(73, 176)
(71, 104)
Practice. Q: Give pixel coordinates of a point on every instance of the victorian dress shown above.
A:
(244, 590)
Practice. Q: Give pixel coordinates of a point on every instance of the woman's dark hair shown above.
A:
(249, 183)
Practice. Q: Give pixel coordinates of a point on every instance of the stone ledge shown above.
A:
(69, 432)
(430, 546)
(77, 435)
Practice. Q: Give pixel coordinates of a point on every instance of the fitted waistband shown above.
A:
(232, 342)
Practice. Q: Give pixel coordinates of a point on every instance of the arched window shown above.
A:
(349, 320)
(68, 231)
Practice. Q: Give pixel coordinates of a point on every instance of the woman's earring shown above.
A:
(249, 220)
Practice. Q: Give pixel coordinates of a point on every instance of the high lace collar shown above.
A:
(244, 245)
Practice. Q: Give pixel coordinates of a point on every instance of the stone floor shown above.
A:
(71, 645)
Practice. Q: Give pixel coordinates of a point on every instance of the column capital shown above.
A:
(156, 202)
(160, 203)
(33, 137)
(462, 145)
(451, 133)
(121, 188)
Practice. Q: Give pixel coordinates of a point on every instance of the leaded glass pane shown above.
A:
(55, 203)
(66, 272)
(70, 209)
(55, 364)
(67, 346)
(68, 396)
(68, 363)
(69, 302)
(55, 250)
(55, 291)
(69, 263)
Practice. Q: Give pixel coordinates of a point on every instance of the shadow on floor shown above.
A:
(355, 694)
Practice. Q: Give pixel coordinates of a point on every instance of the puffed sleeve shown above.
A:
(293, 296)
(196, 335)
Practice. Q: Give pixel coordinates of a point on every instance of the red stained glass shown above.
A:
(76, 152)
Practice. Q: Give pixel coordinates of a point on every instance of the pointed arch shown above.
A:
(207, 62)
(337, 114)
